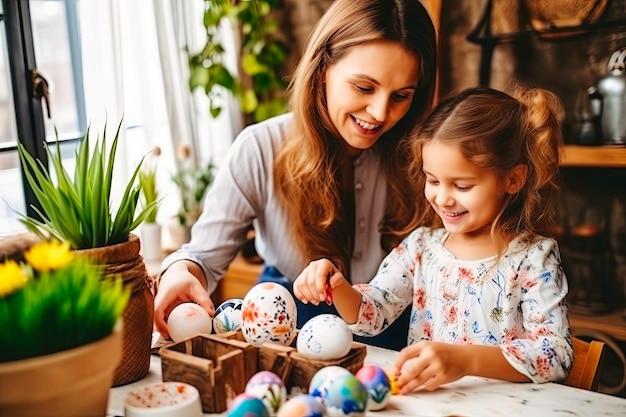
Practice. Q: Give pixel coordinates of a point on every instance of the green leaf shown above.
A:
(220, 75)
(251, 65)
(198, 77)
(249, 101)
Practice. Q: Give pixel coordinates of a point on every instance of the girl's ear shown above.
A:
(516, 179)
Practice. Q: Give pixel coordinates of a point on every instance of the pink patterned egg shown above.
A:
(302, 405)
(269, 388)
(268, 314)
(377, 384)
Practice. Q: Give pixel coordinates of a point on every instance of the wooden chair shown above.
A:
(588, 358)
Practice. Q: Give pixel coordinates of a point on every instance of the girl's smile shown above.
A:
(466, 197)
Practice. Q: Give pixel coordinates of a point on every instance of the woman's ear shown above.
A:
(516, 179)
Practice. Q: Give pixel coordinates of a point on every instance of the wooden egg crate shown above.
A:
(297, 370)
(220, 365)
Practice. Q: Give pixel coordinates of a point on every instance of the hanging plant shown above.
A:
(260, 89)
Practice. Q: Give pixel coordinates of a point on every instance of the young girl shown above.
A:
(485, 285)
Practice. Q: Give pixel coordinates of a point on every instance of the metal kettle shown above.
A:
(609, 100)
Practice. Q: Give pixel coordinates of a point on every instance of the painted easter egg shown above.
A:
(324, 337)
(188, 320)
(393, 381)
(228, 316)
(346, 396)
(268, 314)
(246, 405)
(269, 388)
(302, 405)
(324, 377)
(377, 384)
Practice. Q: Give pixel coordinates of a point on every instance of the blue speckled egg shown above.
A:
(269, 388)
(346, 396)
(246, 405)
(377, 384)
(324, 337)
(322, 378)
(302, 405)
(228, 316)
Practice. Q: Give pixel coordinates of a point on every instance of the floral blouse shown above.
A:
(519, 304)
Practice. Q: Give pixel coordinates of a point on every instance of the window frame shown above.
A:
(29, 110)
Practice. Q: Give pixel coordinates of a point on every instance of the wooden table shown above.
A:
(469, 396)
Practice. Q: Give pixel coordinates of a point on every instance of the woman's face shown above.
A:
(369, 90)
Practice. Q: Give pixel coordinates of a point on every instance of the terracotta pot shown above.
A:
(72, 383)
(124, 259)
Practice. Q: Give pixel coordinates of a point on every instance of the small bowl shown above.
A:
(163, 399)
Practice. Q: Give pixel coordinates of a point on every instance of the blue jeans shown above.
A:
(394, 337)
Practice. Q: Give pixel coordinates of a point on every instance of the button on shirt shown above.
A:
(243, 193)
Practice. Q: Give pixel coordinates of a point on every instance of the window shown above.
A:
(104, 61)
(41, 35)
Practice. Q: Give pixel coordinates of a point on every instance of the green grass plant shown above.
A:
(50, 308)
(79, 209)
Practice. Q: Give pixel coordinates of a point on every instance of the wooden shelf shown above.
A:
(594, 156)
(613, 324)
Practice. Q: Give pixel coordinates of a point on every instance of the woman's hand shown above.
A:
(180, 283)
(428, 365)
(316, 282)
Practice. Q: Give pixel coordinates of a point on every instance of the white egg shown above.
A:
(188, 320)
(269, 314)
(325, 337)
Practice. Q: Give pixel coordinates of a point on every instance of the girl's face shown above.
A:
(369, 90)
(466, 198)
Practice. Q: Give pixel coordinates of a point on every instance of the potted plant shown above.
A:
(192, 182)
(150, 229)
(78, 210)
(61, 332)
(260, 87)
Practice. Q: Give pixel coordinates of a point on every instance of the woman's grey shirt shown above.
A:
(243, 193)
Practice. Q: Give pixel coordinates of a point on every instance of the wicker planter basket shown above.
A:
(124, 259)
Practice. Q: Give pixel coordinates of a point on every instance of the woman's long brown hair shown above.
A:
(307, 170)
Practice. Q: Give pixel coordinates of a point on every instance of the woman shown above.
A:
(329, 178)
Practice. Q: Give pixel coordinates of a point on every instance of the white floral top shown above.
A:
(519, 304)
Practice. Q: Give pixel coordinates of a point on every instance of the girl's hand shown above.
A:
(178, 285)
(428, 365)
(316, 282)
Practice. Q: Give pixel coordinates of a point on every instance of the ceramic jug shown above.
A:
(611, 91)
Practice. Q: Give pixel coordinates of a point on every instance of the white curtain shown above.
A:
(135, 67)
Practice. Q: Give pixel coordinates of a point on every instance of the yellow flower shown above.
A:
(49, 256)
(12, 277)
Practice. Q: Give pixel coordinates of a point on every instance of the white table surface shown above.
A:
(469, 396)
